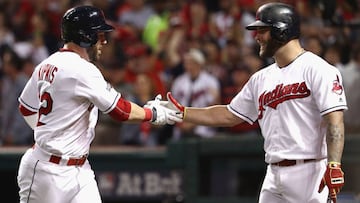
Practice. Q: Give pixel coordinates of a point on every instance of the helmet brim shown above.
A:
(255, 25)
(106, 28)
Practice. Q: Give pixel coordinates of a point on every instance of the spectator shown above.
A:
(42, 36)
(171, 46)
(253, 62)
(13, 128)
(194, 15)
(332, 54)
(351, 70)
(238, 77)
(248, 10)
(213, 59)
(28, 66)
(351, 78)
(198, 88)
(157, 23)
(137, 14)
(231, 58)
(143, 134)
(224, 22)
(314, 44)
(6, 34)
(141, 60)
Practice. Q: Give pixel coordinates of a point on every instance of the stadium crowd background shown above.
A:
(145, 54)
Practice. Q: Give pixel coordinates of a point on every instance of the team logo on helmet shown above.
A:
(337, 87)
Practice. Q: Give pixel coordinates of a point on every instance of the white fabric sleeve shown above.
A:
(31, 120)
(243, 104)
(327, 87)
(29, 96)
(93, 86)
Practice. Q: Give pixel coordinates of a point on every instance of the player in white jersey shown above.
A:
(298, 101)
(61, 102)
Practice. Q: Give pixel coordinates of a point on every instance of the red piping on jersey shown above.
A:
(24, 111)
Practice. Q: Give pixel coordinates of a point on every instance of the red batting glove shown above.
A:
(333, 179)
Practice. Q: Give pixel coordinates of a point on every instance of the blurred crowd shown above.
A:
(198, 49)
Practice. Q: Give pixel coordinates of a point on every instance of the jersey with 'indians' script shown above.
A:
(289, 103)
(67, 92)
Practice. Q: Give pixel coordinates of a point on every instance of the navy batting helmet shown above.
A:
(81, 25)
(283, 20)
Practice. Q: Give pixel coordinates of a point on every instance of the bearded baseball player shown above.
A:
(299, 102)
(61, 102)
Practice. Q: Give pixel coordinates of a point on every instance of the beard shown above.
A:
(270, 48)
(94, 54)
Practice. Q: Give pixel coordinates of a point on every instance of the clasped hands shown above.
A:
(167, 111)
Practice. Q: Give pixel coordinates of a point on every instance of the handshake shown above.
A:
(165, 112)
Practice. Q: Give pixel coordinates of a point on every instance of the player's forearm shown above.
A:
(131, 112)
(335, 142)
(139, 113)
(215, 116)
(335, 136)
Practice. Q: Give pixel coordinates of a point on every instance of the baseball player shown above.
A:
(298, 101)
(61, 102)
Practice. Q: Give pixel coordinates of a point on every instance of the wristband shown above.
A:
(149, 115)
(334, 164)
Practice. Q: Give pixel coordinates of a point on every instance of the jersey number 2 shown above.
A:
(45, 109)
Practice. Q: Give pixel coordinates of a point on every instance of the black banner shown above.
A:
(140, 185)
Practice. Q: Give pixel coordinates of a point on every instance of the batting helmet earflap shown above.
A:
(282, 18)
(82, 24)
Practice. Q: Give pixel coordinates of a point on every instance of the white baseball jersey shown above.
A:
(289, 103)
(67, 95)
(197, 93)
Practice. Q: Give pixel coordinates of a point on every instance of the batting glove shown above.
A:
(178, 111)
(161, 115)
(333, 179)
(174, 104)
